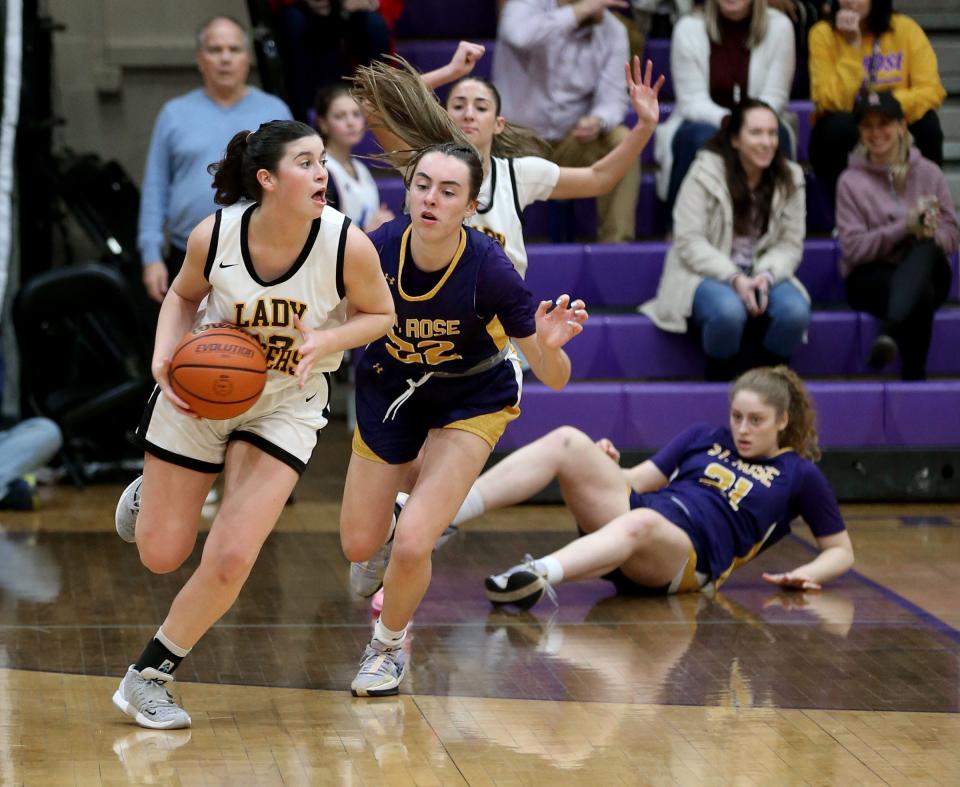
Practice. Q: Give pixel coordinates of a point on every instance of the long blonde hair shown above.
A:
(784, 391)
(396, 98)
(758, 22)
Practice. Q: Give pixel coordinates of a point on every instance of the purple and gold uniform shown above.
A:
(447, 361)
(734, 508)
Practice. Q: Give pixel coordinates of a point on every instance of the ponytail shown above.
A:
(235, 175)
(782, 389)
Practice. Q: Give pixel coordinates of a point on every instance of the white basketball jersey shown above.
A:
(312, 288)
(511, 185)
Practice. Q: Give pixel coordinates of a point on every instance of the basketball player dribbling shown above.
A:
(444, 379)
(279, 263)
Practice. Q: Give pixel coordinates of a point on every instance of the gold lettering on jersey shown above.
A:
(499, 237)
(765, 474)
(282, 355)
(428, 329)
(269, 313)
(426, 351)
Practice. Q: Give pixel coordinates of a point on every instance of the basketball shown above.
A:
(218, 370)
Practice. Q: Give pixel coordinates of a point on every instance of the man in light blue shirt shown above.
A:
(191, 132)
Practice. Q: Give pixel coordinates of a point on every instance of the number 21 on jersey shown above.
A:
(732, 486)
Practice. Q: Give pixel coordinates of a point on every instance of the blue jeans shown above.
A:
(690, 137)
(25, 447)
(721, 317)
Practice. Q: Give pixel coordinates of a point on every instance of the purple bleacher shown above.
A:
(923, 413)
(627, 274)
(944, 355)
(630, 346)
(470, 19)
(647, 415)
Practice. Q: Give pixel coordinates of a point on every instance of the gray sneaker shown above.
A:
(128, 508)
(366, 578)
(381, 670)
(144, 696)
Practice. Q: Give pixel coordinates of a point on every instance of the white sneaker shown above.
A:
(144, 696)
(128, 509)
(381, 670)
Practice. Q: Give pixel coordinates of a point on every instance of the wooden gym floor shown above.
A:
(859, 684)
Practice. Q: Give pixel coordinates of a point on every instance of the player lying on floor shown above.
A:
(708, 502)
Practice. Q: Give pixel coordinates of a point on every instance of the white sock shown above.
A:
(472, 507)
(170, 645)
(387, 636)
(551, 567)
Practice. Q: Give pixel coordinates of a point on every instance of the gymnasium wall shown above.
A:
(116, 64)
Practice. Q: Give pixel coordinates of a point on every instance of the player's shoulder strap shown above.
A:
(214, 238)
(516, 193)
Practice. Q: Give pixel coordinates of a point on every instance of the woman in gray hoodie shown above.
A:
(896, 223)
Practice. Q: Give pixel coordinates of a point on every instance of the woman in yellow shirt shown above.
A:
(862, 45)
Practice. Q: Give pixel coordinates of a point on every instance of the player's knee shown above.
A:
(230, 566)
(411, 552)
(568, 438)
(161, 558)
(357, 543)
(639, 527)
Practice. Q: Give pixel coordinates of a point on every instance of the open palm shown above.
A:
(644, 91)
(559, 325)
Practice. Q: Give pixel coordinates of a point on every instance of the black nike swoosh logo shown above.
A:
(312, 396)
(231, 265)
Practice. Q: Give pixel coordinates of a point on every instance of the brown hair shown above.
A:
(784, 391)
(465, 153)
(396, 98)
(235, 175)
(776, 176)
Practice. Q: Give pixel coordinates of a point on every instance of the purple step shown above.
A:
(944, 356)
(923, 413)
(646, 416)
(626, 274)
(630, 346)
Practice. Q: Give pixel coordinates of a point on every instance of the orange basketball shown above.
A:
(218, 370)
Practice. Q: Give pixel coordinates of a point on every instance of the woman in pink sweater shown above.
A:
(897, 224)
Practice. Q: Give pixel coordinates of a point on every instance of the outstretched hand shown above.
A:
(791, 580)
(560, 324)
(644, 91)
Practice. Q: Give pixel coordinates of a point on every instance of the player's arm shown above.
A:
(179, 308)
(602, 176)
(461, 64)
(370, 306)
(645, 477)
(835, 559)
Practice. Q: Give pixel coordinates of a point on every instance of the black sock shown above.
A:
(158, 656)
